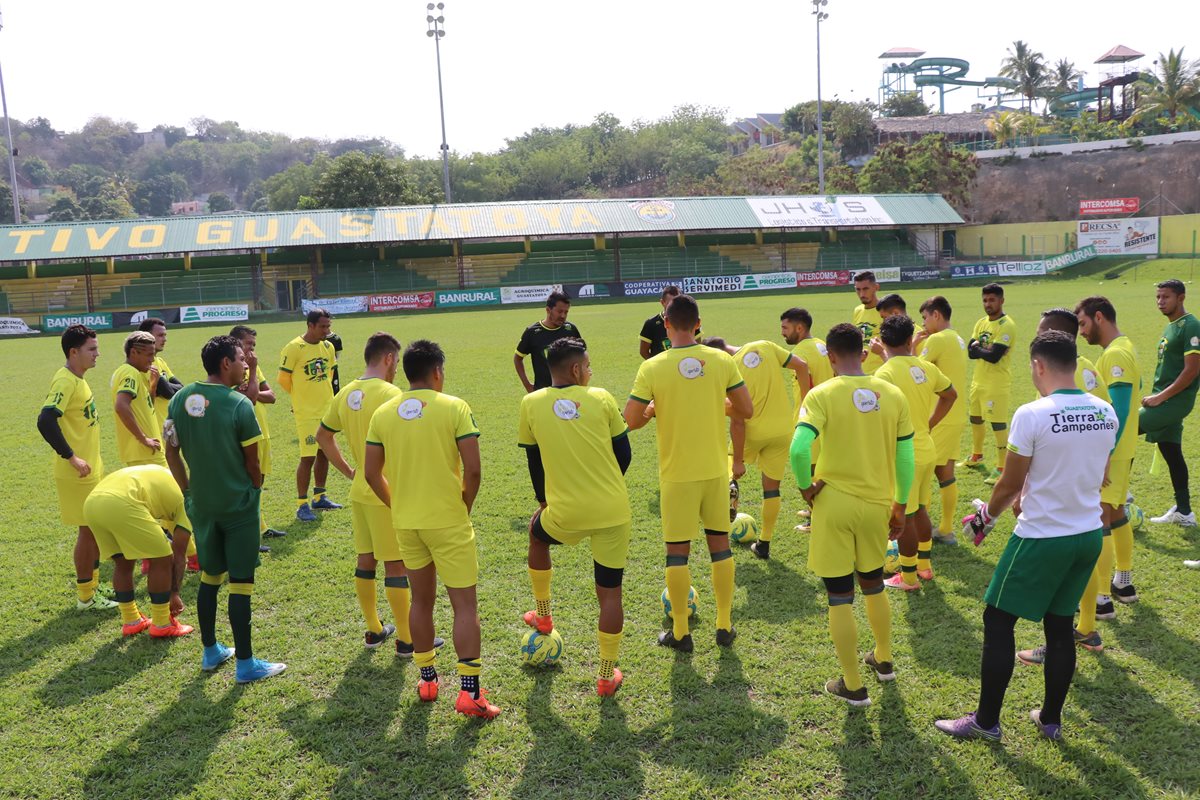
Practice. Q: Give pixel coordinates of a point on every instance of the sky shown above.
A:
(359, 68)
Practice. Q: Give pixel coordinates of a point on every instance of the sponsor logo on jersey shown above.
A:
(566, 409)
(866, 400)
(918, 375)
(410, 409)
(691, 368)
(752, 359)
(354, 400)
(195, 405)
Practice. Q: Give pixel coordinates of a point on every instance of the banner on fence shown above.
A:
(1110, 205)
(1120, 237)
(400, 302)
(233, 312)
(335, 305)
(769, 280)
(646, 288)
(13, 326)
(528, 294)
(817, 211)
(1069, 259)
(1020, 269)
(920, 274)
(711, 283)
(973, 270)
(125, 319)
(828, 277)
(56, 323)
(882, 274)
(467, 297)
(592, 290)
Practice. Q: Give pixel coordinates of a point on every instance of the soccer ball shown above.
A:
(666, 602)
(538, 649)
(891, 559)
(1137, 517)
(743, 529)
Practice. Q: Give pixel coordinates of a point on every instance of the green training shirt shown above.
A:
(1179, 339)
(213, 423)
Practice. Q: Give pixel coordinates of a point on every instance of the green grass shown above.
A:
(85, 714)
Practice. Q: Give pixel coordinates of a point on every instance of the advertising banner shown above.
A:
(818, 211)
(335, 305)
(467, 297)
(57, 323)
(1070, 259)
(584, 290)
(1110, 205)
(233, 312)
(828, 277)
(13, 326)
(1020, 269)
(711, 283)
(528, 294)
(646, 288)
(400, 302)
(131, 319)
(973, 271)
(920, 274)
(882, 274)
(1120, 237)
(769, 280)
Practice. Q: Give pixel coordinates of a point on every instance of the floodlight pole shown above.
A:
(820, 15)
(436, 33)
(12, 154)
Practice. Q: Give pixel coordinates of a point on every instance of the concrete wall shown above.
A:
(1178, 235)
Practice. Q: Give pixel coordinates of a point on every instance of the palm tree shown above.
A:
(1175, 89)
(1003, 127)
(1064, 75)
(1028, 68)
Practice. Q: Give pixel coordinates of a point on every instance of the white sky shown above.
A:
(366, 68)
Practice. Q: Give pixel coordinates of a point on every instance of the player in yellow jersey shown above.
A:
(306, 373)
(577, 447)
(946, 350)
(930, 396)
(422, 461)
(893, 305)
(764, 439)
(990, 347)
(795, 325)
(858, 497)
(1086, 376)
(167, 384)
(685, 388)
(258, 392)
(866, 317)
(139, 434)
(69, 425)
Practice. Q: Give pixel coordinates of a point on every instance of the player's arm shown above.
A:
(945, 402)
(179, 545)
(48, 427)
(250, 462)
(643, 348)
(991, 353)
(1008, 488)
(265, 393)
(737, 436)
(468, 451)
(329, 446)
(123, 406)
(622, 451)
(741, 406)
(1191, 369)
(800, 367)
(1121, 396)
(537, 472)
(906, 466)
(167, 386)
(373, 459)
(635, 413)
(174, 459)
(284, 378)
(519, 365)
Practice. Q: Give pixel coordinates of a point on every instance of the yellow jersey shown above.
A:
(71, 396)
(947, 351)
(574, 428)
(921, 383)
(1088, 379)
(1118, 366)
(311, 368)
(160, 403)
(128, 379)
(351, 411)
(688, 386)
(419, 432)
(150, 486)
(862, 418)
(762, 365)
(998, 376)
(868, 320)
(260, 409)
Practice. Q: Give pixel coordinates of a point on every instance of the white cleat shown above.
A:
(1192, 564)
(1173, 517)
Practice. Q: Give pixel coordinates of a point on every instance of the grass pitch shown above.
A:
(84, 713)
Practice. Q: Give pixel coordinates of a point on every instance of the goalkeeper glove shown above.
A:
(979, 524)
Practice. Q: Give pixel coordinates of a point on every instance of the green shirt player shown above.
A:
(212, 428)
(1173, 395)
(537, 338)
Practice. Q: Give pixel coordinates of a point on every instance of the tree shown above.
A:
(1174, 89)
(1063, 77)
(284, 189)
(853, 129)
(41, 130)
(905, 104)
(929, 165)
(172, 134)
(1003, 127)
(105, 198)
(219, 202)
(153, 196)
(37, 171)
(65, 209)
(361, 180)
(1028, 68)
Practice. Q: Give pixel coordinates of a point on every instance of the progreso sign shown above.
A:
(468, 297)
(57, 324)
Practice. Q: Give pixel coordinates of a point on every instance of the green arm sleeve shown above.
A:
(801, 455)
(905, 467)
(1121, 395)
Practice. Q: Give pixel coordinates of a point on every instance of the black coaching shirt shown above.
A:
(536, 341)
(654, 331)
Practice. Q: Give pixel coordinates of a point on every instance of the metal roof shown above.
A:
(1119, 55)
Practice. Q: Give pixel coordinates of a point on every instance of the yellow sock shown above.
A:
(399, 598)
(540, 578)
(85, 590)
(1087, 604)
(1122, 540)
(469, 668)
(908, 569)
(722, 581)
(772, 503)
(364, 587)
(130, 611)
(679, 583)
(94, 581)
(160, 614)
(949, 491)
(977, 434)
(923, 562)
(844, 632)
(425, 660)
(262, 520)
(1001, 446)
(303, 501)
(610, 647)
(879, 616)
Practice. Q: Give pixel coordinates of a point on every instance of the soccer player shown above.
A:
(893, 305)
(129, 513)
(685, 389)
(212, 449)
(1176, 379)
(422, 461)
(946, 350)
(1060, 444)
(991, 384)
(930, 396)
(653, 338)
(537, 338)
(577, 446)
(1086, 376)
(305, 369)
(69, 425)
(857, 503)
(765, 438)
(168, 384)
(139, 436)
(866, 317)
(795, 326)
(259, 392)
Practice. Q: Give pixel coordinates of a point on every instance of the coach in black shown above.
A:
(537, 338)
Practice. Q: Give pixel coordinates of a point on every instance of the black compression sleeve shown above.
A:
(537, 475)
(623, 451)
(47, 425)
(994, 353)
(167, 388)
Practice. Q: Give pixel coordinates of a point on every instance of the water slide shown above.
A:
(939, 73)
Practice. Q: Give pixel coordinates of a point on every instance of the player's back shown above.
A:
(920, 382)
(947, 351)
(350, 413)
(762, 365)
(212, 423)
(148, 485)
(814, 353)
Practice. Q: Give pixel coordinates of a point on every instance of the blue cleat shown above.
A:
(215, 656)
(305, 514)
(255, 669)
(325, 504)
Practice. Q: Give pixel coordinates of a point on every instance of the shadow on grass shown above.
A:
(109, 667)
(1154, 641)
(24, 653)
(942, 639)
(777, 593)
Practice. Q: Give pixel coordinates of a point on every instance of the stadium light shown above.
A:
(12, 154)
(436, 32)
(821, 15)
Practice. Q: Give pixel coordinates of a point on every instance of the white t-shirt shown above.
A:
(1069, 436)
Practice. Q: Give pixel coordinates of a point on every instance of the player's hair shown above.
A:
(896, 330)
(866, 275)
(554, 298)
(1055, 348)
(683, 313)
(565, 350)
(844, 339)
(797, 315)
(216, 350)
(993, 288)
(421, 358)
(74, 337)
(240, 332)
(715, 342)
(1097, 304)
(891, 301)
(316, 315)
(149, 322)
(669, 291)
(1174, 285)
(138, 339)
(379, 345)
(939, 304)
(1061, 319)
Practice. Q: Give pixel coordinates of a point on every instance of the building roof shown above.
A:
(967, 123)
(1119, 55)
(902, 52)
(775, 120)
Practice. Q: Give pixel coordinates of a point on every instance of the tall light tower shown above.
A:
(818, 5)
(12, 154)
(436, 32)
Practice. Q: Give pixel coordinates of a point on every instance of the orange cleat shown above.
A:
(193, 564)
(134, 628)
(543, 624)
(925, 574)
(607, 688)
(428, 690)
(176, 628)
(476, 707)
(897, 582)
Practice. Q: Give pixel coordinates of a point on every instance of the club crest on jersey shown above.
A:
(866, 401)
(918, 375)
(412, 408)
(752, 359)
(354, 400)
(1089, 379)
(691, 368)
(1196, 341)
(317, 369)
(822, 349)
(566, 409)
(1117, 371)
(195, 405)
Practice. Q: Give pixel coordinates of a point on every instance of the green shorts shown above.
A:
(1036, 577)
(227, 542)
(1164, 423)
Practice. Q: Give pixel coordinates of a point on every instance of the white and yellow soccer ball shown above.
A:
(692, 607)
(541, 649)
(743, 529)
(1137, 517)
(891, 559)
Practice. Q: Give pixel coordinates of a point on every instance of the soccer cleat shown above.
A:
(428, 690)
(175, 629)
(974, 462)
(250, 670)
(106, 590)
(967, 728)
(804, 527)
(135, 627)
(325, 504)
(1105, 610)
(305, 513)
(1033, 658)
(1091, 641)
(1125, 594)
(761, 549)
(1173, 517)
(945, 538)
(98, 603)
(992, 477)
(405, 649)
(476, 706)
(725, 637)
(804, 512)
(925, 574)
(607, 688)
(1192, 564)
(857, 698)
(897, 582)
(667, 639)
(373, 640)
(262, 548)
(1049, 730)
(543, 624)
(214, 656)
(273, 533)
(884, 671)
(734, 494)
(193, 564)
